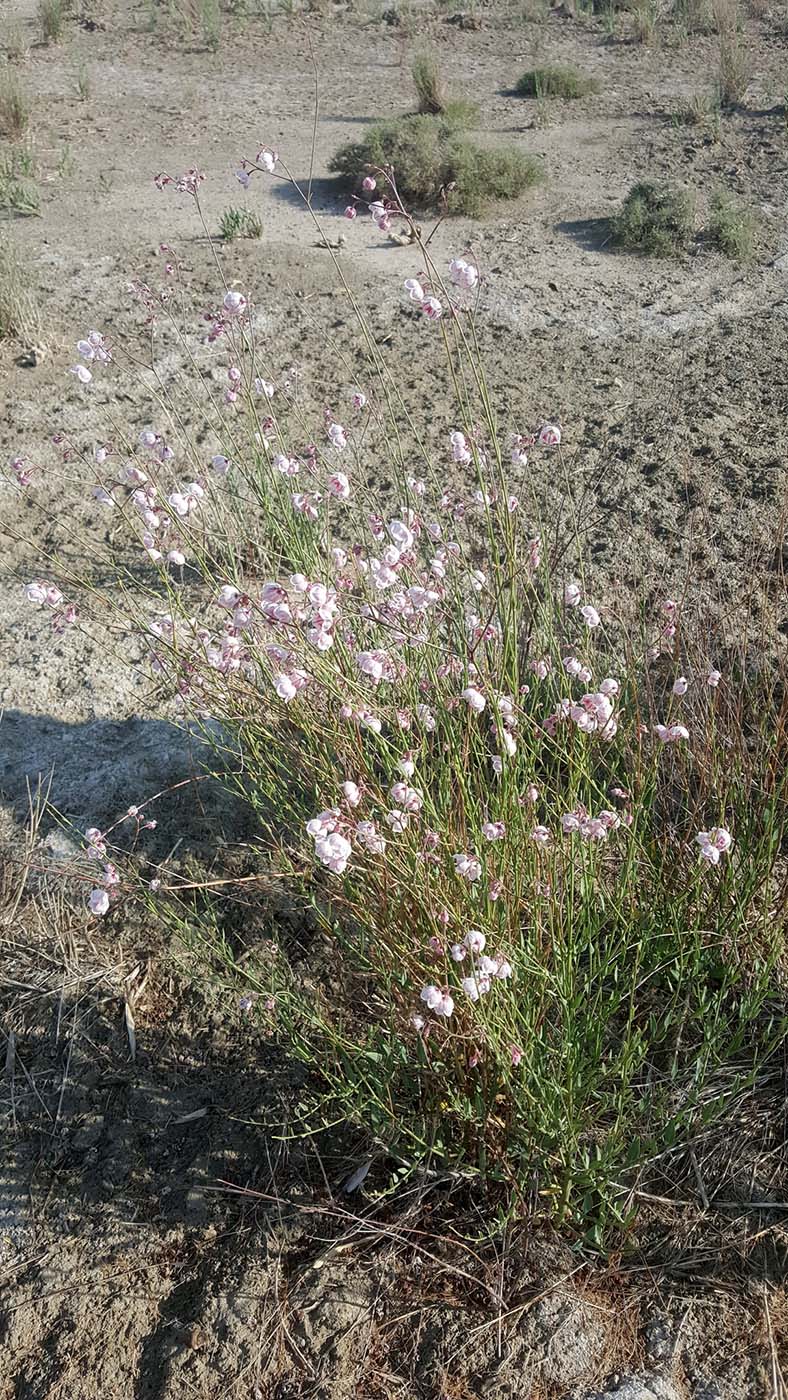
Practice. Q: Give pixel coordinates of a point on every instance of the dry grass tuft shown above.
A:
(14, 106)
(20, 315)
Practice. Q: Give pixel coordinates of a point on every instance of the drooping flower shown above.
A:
(474, 698)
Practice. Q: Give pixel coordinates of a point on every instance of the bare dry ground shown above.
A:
(126, 1268)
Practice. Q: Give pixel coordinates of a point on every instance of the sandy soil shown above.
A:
(124, 1271)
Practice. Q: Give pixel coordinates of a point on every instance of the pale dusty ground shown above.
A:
(123, 1277)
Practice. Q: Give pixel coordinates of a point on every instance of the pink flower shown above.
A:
(368, 184)
(572, 595)
(99, 902)
(397, 820)
(414, 289)
(432, 308)
(550, 435)
(468, 866)
(352, 793)
(407, 797)
(474, 698)
(437, 999)
(267, 158)
(351, 211)
(590, 616)
(541, 835)
(234, 303)
(714, 843)
(339, 486)
(337, 438)
(516, 1055)
(680, 686)
(82, 373)
(334, 850)
(493, 831)
(713, 678)
(463, 273)
(474, 941)
(285, 688)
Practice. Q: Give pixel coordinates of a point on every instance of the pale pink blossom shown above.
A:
(351, 793)
(713, 678)
(541, 835)
(475, 941)
(98, 902)
(463, 273)
(572, 595)
(590, 616)
(432, 308)
(410, 799)
(339, 486)
(334, 850)
(474, 698)
(468, 866)
(414, 289)
(680, 686)
(234, 303)
(284, 687)
(550, 435)
(493, 831)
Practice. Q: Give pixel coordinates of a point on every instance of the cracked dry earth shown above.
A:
(128, 1268)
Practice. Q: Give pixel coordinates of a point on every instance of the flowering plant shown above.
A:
(540, 865)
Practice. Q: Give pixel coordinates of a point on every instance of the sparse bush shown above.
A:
(239, 223)
(51, 14)
(655, 219)
(731, 226)
(14, 106)
(534, 933)
(20, 318)
(555, 80)
(430, 89)
(434, 162)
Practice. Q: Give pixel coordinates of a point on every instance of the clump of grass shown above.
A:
(435, 164)
(17, 192)
(555, 80)
(701, 110)
(429, 84)
(655, 219)
(239, 223)
(731, 226)
(211, 24)
(734, 64)
(432, 97)
(83, 83)
(694, 16)
(20, 316)
(645, 17)
(51, 14)
(14, 105)
(14, 43)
